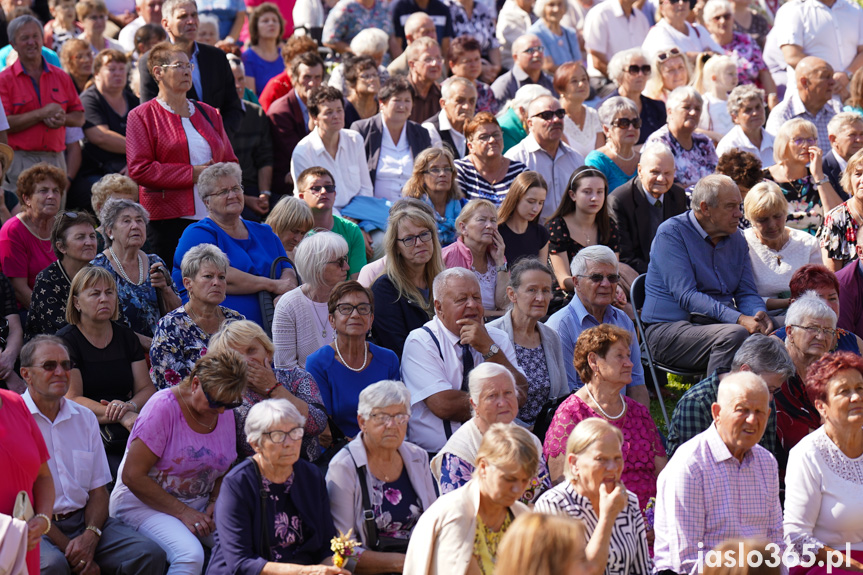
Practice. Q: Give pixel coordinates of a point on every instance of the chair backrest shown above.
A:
(636, 297)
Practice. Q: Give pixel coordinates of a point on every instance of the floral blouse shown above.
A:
(287, 533)
(301, 384)
(690, 165)
(177, 344)
(747, 54)
(455, 472)
(758, 29)
(485, 100)
(481, 25)
(804, 203)
(349, 17)
(532, 361)
(486, 543)
(838, 235)
(47, 313)
(560, 242)
(396, 505)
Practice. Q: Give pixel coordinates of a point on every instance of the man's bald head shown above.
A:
(541, 104)
(419, 25)
(741, 383)
(809, 64)
(741, 411)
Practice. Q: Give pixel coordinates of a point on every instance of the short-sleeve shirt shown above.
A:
(356, 243)
(348, 18)
(523, 245)
(97, 112)
(608, 31)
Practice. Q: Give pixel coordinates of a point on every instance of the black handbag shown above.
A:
(114, 438)
(376, 541)
(264, 550)
(546, 415)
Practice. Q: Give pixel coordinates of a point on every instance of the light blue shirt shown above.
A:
(196, 74)
(570, 321)
(561, 49)
(47, 53)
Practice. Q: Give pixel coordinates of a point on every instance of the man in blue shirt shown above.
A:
(595, 276)
(700, 297)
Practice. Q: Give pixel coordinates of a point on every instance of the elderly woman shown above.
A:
(485, 174)
(434, 181)
(537, 347)
(629, 69)
(560, 42)
(25, 240)
(300, 325)
(74, 239)
(670, 70)
(618, 158)
(581, 126)
(170, 141)
(465, 60)
(404, 293)
(369, 43)
(799, 172)
(290, 528)
(493, 399)
(481, 249)
(251, 247)
(461, 531)
(603, 364)
(675, 31)
(518, 218)
(182, 444)
(110, 369)
(77, 61)
(838, 234)
(694, 154)
(820, 514)
(182, 336)
(263, 58)
(775, 250)
(144, 285)
(363, 82)
(595, 456)
(746, 108)
(381, 473)
(93, 14)
(291, 219)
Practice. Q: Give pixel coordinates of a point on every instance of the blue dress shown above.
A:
(561, 49)
(615, 176)
(341, 387)
(262, 70)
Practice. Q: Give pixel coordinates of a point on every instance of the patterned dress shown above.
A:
(47, 313)
(456, 472)
(747, 54)
(804, 203)
(480, 25)
(396, 505)
(532, 362)
(689, 165)
(838, 235)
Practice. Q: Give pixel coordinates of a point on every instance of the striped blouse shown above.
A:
(475, 187)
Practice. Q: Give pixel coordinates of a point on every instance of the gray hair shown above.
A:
(383, 394)
(680, 95)
(742, 94)
(201, 254)
(266, 414)
(524, 96)
(716, 6)
(840, 120)
(519, 42)
(736, 382)
(610, 109)
(236, 63)
(312, 254)
(809, 306)
(538, 101)
(763, 354)
(209, 19)
(415, 21)
(442, 279)
(485, 371)
(112, 210)
(369, 42)
(707, 190)
(31, 347)
(592, 254)
(17, 24)
(169, 6)
(655, 149)
(450, 83)
(208, 181)
(621, 60)
(412, 52)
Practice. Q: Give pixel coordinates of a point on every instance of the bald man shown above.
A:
(418, 25)
(528, 56)
(720, 484)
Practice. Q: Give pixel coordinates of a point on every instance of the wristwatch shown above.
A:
(824, 181)
(502, 268)
(95, 530)
(491, 351)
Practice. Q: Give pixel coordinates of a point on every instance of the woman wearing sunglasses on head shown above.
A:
(631, 70)
(618, 158)
(671, 70)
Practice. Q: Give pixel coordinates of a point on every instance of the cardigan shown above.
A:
(157, 153)
(395, 316)
(343, 484)
(372, 131)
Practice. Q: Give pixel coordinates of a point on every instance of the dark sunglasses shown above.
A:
(666, 54)
(51, 365)
(635, 70)
(321, 190)
(340, 262)
(597, 278)
(218, 404)
(625, 123)
(549, 114)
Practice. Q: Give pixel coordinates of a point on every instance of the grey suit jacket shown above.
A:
(372, 131)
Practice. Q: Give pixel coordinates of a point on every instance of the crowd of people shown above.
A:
(371, 286)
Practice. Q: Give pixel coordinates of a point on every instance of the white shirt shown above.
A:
(395, 165)
(608, 31)
(199, 154)
(663, 36)
(77, 461)
(583, 141)
(457, 138)
(714, 115)
(349, 167)
(736, 139)
(512, 22)
(127, 34)
(772, 269)
(425, 374)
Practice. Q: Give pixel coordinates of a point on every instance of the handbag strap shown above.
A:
(265, 532)
(447, 425)
(203, 113)
(368, 512)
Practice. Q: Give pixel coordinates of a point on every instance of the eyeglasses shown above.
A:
(236, 190)
(719, 17)
(386, 418)
(347, 309)
(548, 115)
(624, 123)
(279, 436)
(534, 50)
(804, 141)
(369, 76)
(672, 2)
(438, 171)
(431, 61)
(340, 262)
(181, 66)
(219, 404)
(670, 53)
(815, 330)
(410, 241)
(321, 190)
(51, 365)
(636, 70)
(597, 278)
(489, 137)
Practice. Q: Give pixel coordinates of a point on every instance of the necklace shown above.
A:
(196, 318)
(621, 158)
(183, 399)
(122, 270)
(365, 356)
(32, 231)
(317, 315)
(602, 411)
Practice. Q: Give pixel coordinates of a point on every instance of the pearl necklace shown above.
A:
(365, 356)
(122, 270)
(621, 158)
(602, 411)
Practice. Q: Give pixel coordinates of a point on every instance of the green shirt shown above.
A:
(356, 243)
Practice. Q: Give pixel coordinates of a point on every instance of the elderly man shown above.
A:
(82, 538)
(543, 151)
(418, 25)
(644, 202)
(458, 100)
(149, 12)
(528, 55)
(845, 132)
(514, 19)
(40, 101)
(438, 357)
(425, 66)
(720, 485)
(850, 280)
(289, 116)
(595, 278)
(700, 297)
(609, 28)
(437, 10)
(212, 79)
(813, 100)
(760, 354)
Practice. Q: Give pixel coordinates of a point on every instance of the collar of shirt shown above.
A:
(650, 199)
(580, 312)
(720, 451)
(531, 146)
(521, 76)
(617, 10)
(799, 109)
(452, 339)
(697, 226)
(842, 163)
(18, 68)
(304, 110)
(403, 138)
(62, 415)
(457, 137)
(318, 144)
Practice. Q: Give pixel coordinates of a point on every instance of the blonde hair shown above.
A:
(290, 213)
(655, 87)
(239, 334)
(396, 269)
(541, 544)
(86, 278)
(507, 443)
(222, 375)
(784, 136)
(764, 198)
(586, 433)
(853, 162)
(470, 209)
(713, 67)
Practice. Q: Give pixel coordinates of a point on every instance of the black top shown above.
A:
(653, 115)
(8, 303)
(47, 313)
(523, 245)
(106, 373)
(97, 112)
(395, 316)
(438, 11)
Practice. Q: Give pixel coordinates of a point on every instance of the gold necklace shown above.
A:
(189, 409)
(197, 319)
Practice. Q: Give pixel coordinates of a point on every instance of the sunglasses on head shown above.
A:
(670, 53)
(549, 114)
(635, 70)
(625, 123)
(219, 404)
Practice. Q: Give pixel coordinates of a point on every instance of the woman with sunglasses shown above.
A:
(630, 70)
(618, 158)
(581, 126)
(671, 70)
(182, 445)
(349, 364)
(674, 31)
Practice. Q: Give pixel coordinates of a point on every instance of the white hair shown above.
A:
(268, 413)
(841, 120)
(524, 96)
(807, 307)
(383, 394)
(450, 83)
(594, 254)
(707, 190)
(655, 149)
(369, 42)
(715, 7)
(481, 374)
(442, 279)
(621, 60)
(680, 95)
(313, 253)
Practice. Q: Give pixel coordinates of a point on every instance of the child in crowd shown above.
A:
(718, 78)
(63, 26)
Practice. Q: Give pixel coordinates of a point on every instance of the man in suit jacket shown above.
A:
(632, 205)
(458, 100)
(212, 78)
(845, 131)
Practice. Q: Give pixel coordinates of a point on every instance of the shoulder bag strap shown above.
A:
(265, 531)
(447, 426)
(203, 113)
(368, 512)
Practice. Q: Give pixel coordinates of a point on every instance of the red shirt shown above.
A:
(19, 97)
(277, 87)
